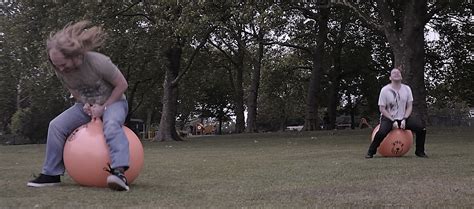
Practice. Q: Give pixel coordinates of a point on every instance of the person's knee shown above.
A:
(384, 130)
(112, 126)
(55, 125)
(423, 130)
(417, 129)
(380, 135)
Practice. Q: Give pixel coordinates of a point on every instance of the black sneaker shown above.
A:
(421, 154)
(369, 155)
(44, 180)
(117, 181)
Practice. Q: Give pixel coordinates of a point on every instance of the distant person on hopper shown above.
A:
(98, 87)
(396, 105)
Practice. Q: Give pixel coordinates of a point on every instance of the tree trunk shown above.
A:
(312, 118)
(19, 92)
(283, 122)
(409, 52)
(239, 89)
(351, 110)
(312, 103)
(253, 94)
(149, 113)
(333, 103)
(167, 129)
(413, 72)
(335, 75)
(220, 126)
(130, 98)
(239, 103)
(407, 42)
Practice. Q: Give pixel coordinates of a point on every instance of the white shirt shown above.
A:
(395, 102)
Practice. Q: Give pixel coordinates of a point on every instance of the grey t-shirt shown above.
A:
(93, 79)
(395, 102)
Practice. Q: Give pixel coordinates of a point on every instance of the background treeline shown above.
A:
(280, 64)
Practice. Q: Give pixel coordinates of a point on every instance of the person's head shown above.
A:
(66, 47)
(396, 75)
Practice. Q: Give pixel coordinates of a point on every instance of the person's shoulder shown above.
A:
(96, 56)
(97, 59)
(406, 86)
(386, 87)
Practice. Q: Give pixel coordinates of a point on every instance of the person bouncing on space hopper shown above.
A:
(98, 87)
(396, 105)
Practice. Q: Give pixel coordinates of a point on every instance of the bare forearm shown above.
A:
(75, 94)
(385, 113)
(120, 85)
(98, 110)
(408, 110)
(116, 95)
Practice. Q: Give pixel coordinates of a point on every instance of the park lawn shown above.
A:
(324, 169)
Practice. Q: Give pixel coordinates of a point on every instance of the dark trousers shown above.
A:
(410, 124)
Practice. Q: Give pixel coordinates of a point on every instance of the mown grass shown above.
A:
(323, 169)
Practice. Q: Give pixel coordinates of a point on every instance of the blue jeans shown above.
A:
(65, 123)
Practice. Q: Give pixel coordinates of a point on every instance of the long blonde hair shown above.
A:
(76, 39)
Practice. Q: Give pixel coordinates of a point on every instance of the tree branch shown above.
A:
(306, 49)
(139, 14)
(307, 12)
(140, 100)
(126, 9)
(365, 17)
(223, 52)
(231, 79)
(230, 47)
(191, 59)
(387, 17)
(302, 67)
(437, 7)
(122, 13)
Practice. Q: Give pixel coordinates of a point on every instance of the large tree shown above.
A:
(265, 17)
(231, 39)
(449, 56)
(38, 95)
(306, 29)
(282, 98)
(182, 29)
(403, 24)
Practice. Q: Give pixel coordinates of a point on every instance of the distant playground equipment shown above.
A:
(205, 129)
(396, 144)
(196, 126)
(345, 121)
(363, 123)
(86, 155)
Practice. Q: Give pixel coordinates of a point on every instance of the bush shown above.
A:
(32, 123)
(450, 114)
(20, 121)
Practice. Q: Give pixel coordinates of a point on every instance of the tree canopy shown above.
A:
(278, 64)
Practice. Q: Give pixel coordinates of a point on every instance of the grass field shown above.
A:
(324, 169)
